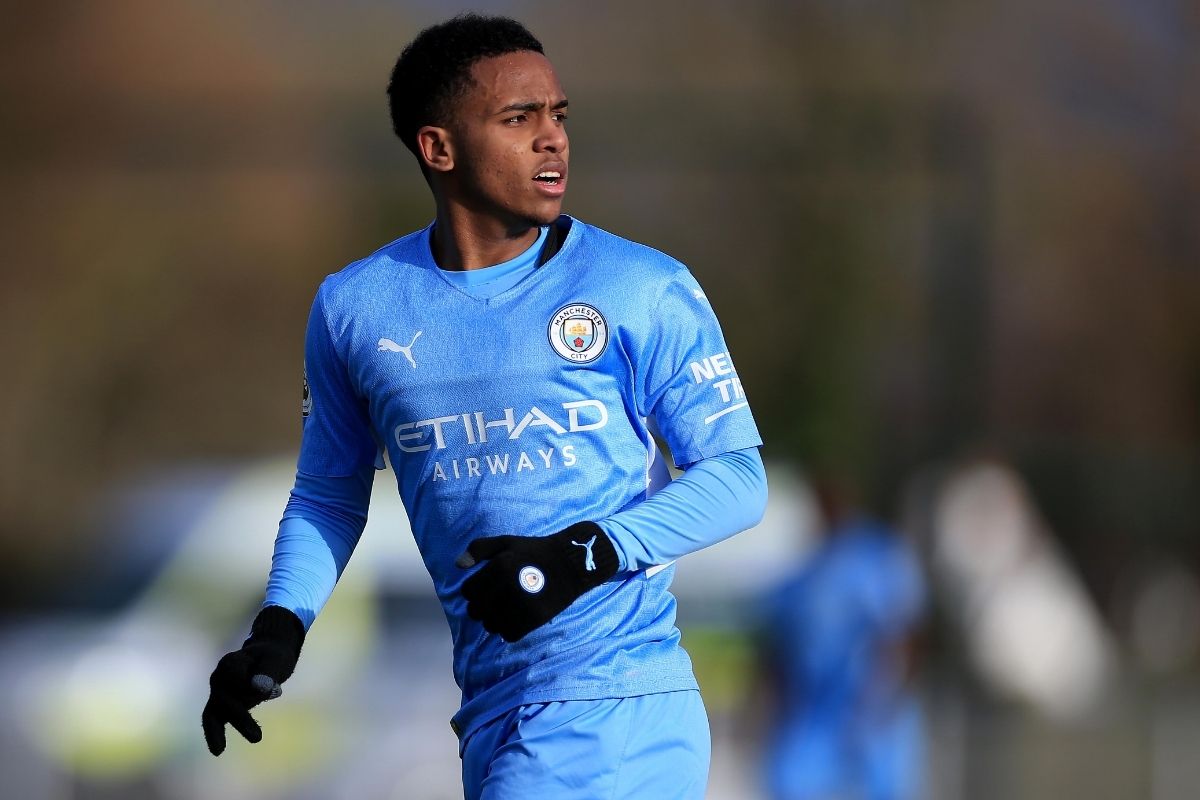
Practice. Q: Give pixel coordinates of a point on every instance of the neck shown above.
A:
(465, 241)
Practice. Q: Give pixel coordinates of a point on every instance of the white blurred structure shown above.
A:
(1030, 627)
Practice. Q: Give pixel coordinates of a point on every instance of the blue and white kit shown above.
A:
(522, 409)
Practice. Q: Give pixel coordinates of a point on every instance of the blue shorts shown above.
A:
(655, 746)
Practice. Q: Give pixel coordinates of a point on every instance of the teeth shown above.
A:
(549, 175)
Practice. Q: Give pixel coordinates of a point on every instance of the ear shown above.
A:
(436, 149)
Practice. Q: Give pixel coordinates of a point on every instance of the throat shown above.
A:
(489, 281)
(465, 250)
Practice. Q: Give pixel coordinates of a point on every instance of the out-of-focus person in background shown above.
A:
(838, 640)
(512, 362)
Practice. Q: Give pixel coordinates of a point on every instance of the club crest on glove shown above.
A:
(531, 579)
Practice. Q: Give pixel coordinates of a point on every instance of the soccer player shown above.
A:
(840, 632)
(512, 362)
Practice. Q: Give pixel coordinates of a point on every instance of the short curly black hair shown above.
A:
(435, 69)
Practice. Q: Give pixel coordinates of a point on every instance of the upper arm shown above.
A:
(337, 437)
(688, 381)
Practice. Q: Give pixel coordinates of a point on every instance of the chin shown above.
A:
(537, 219)
(547, 216)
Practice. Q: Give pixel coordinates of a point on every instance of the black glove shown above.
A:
(247, 677)
(530, 579)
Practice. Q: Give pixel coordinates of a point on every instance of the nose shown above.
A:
(551, 136)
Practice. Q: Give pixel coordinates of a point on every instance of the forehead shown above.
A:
(513, 77)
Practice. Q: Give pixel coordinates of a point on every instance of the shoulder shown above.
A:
(636, 260)
(397, 255)
(360, 289)
(363, 278)
(639, 278)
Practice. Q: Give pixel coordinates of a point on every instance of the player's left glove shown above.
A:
(528, 580)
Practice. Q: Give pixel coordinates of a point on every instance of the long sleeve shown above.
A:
(321, 525)
(713, 499)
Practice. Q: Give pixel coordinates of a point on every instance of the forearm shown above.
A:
(711, 501)
(321, 525)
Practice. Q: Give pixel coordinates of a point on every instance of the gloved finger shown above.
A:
(472, 590)
(214, 728)
(245, 724)
(483, 611)
(475, 612)
(484, 548)
(514, 633)
(485, 585)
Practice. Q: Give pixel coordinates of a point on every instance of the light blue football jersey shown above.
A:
(522, 414)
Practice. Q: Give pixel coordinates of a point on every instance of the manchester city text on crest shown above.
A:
(578, 333)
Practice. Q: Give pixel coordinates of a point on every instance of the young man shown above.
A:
(512, 362)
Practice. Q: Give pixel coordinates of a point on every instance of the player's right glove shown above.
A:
(528, 580)
(247, 677)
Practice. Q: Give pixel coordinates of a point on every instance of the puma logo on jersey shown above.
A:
(406, 349)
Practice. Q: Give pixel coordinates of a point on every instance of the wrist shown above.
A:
(600, 559)
(280, 626)
(618, 535)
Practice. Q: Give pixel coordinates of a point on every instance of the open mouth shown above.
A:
(549, 178)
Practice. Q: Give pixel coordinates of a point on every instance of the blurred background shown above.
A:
(955, 248)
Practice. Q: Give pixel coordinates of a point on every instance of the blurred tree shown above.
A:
(925, 224)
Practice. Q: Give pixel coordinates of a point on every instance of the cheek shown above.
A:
(488, 166)
(510, 163)
(508, 158)
(499, 163)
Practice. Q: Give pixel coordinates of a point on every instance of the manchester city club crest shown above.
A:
(578, 333)
(531, 579)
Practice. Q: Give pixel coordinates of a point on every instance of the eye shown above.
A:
(560, 116)
(517, 120)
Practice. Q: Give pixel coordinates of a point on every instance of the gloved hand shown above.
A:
(247, 677)
(530, 579)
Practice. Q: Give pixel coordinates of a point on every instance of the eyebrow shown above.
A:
(532, 106)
